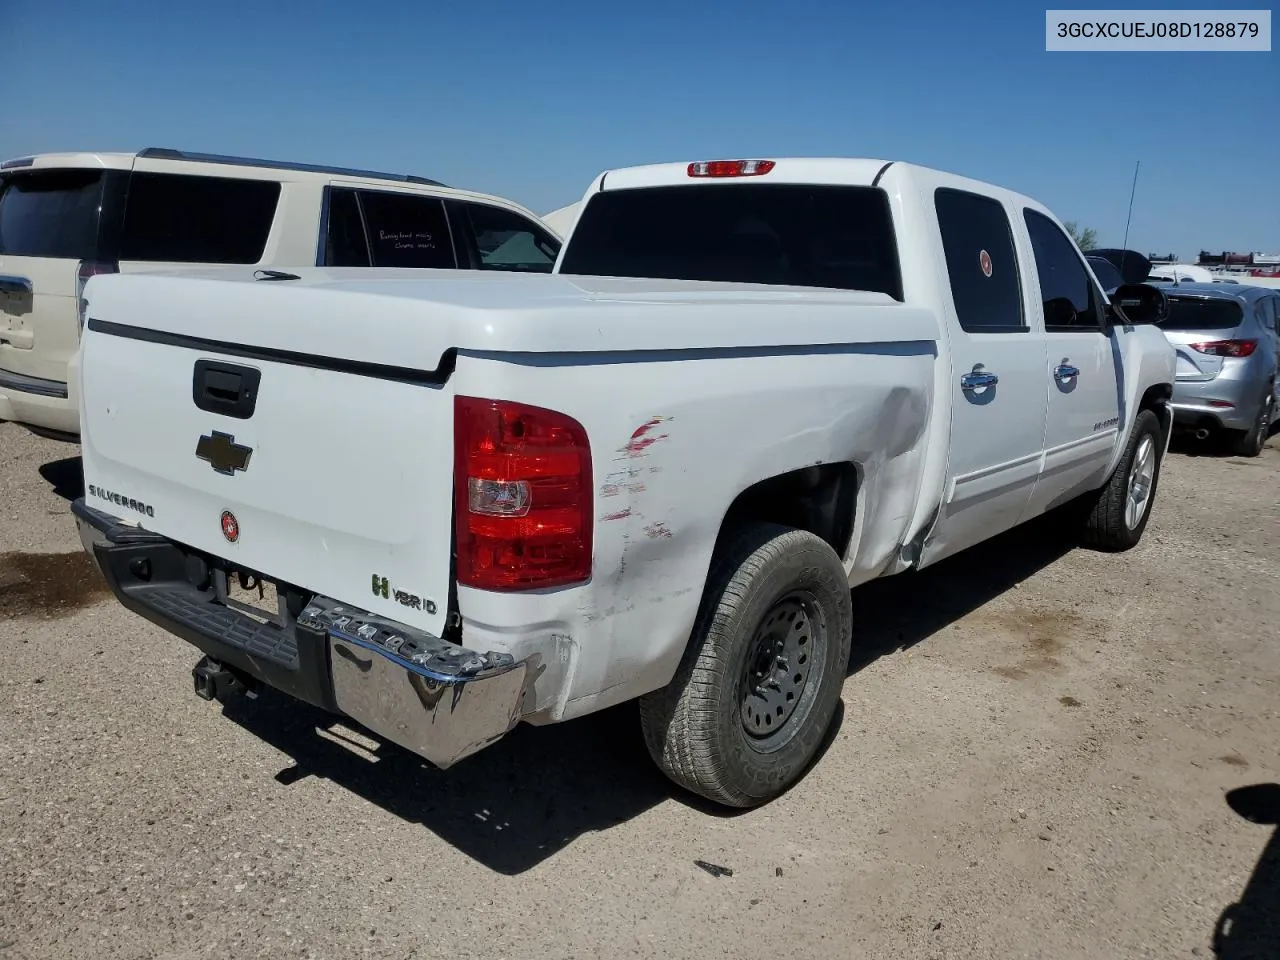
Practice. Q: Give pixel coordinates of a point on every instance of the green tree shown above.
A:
(1085, 239)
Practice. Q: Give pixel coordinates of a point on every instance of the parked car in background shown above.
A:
(66, 217)
(1227, 337)
(561, 220)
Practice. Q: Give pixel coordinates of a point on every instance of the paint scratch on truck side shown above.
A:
(644, 437)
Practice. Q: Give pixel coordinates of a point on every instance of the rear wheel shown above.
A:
(756, 692)
(1249, 443)
(1121, 509)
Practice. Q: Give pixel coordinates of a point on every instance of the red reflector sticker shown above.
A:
(230, 526)
(984, 261)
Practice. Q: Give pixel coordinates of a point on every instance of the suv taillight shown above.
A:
(523, 497)
(87, 269)
(1226, 348)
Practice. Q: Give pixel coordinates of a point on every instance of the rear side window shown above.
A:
(174, 218)
(345, 242)
(501, 239)
(1202, 313)
(981, 261)
(406, 230)
(1066, 289)
(788, 234)
(51, 214)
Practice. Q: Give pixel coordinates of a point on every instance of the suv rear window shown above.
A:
(175, 218)
(1202, 313)
(50, 214)
(782, 234)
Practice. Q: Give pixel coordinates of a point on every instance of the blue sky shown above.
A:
(531, 101)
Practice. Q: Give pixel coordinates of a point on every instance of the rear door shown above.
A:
(998, 361)
(50, 221)
(1082, 380)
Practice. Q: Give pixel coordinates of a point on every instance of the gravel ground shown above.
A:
(1036, 758)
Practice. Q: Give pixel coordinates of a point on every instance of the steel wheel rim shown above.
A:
(1142, 476)
(776, 686)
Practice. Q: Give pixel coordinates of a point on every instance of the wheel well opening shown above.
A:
(820, 499)
(1156, 399)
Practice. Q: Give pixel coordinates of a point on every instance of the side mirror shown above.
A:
(1139, 303)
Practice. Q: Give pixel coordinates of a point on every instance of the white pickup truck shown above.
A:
(655, 474)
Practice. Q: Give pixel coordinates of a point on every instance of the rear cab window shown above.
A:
(835, 237)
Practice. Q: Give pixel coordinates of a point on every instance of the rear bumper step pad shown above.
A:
(439, 700)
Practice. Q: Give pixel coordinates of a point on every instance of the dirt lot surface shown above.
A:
(1036, 758)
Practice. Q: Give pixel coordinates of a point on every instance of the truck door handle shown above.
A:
(978, 379)
(225, 388)
(16, 286)
(1064, 372)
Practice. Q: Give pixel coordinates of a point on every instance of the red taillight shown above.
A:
(1226, 348)
(523, 498)
(87, 269)
(730, 168)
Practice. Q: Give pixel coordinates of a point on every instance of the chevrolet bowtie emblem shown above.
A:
(223, 453)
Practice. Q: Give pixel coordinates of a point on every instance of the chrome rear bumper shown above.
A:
(433, 697)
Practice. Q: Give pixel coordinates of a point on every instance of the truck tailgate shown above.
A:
(315, 470)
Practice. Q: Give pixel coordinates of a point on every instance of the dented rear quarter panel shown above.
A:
(675, 437)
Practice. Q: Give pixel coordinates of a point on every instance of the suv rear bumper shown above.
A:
(428, 695)
(48, 405)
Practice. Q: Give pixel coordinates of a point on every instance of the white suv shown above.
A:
(65, 217)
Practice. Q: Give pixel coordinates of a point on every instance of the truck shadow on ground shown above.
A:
(65, 476)
(895, 613)
(1249, 929)
(522, 800)
(510, 807)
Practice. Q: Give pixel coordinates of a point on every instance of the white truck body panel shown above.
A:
(690, 392)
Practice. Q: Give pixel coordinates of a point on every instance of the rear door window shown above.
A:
(52, 213)
(406, 230)
(982, 262)
(789, 234)
(499, 239)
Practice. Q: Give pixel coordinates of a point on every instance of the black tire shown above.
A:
(1249, 443)
(770, 588)
(1107, 527)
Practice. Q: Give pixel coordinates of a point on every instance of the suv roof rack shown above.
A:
(167, 153)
